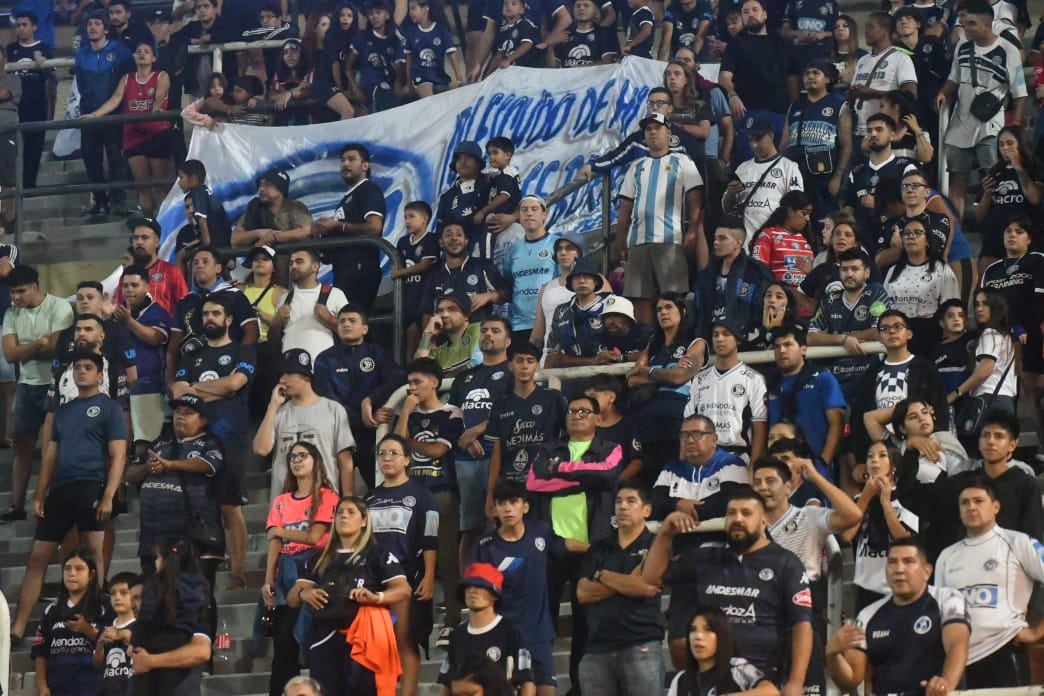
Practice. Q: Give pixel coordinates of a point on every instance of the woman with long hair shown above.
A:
(826, 267)
(344, 26)
(918, 283)
(296, 78)
(713, 667)
(691, 112)
(348, 589)
(784, 238)
(910, 139)
(1013, 187)
(298, 524)
(927, 452)
(846, 52)
(779, 308)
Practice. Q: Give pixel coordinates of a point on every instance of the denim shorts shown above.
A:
(29, 409)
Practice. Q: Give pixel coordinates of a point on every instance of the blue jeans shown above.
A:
(636, 670)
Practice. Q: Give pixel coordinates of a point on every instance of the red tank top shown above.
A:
(139, 98)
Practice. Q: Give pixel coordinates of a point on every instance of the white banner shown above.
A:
(557, 119)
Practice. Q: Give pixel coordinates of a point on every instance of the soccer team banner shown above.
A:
(557, 119)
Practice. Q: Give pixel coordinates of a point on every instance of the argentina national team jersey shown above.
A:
(658, 186)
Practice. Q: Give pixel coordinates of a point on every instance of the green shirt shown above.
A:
(457, 357)
(29, 324)
(569, 512)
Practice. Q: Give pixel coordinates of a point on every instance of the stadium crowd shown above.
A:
(791, 204)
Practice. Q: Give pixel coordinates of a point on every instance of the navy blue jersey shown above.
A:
(371, 569)
(358, 203)
(473, 276)
(835, 315)
(429, 48)
(508, 181)
(640, 18)
(812, 16)
(862, 181)
(686, 22)
(814, 125)
(445, 425)
(188, 313)
(33, 104)
(539, 12)
(459, 203)
(475, 391)
(764, 593)
(523, 426)
(116, 666)
(162, 494)
(524, 565)
(405, 521)
(349, 374)
(577, 331)
(511, 37)
(206, 207)
(151, 360)
(500, 641)
(376, 58)
(953, 360)
(1021, 281)
(83, 429)
(228, 417)
(69, 655)
(412, 253)
(587, 46)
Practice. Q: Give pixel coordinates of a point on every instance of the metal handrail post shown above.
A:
(217, 58)
(5, 644)
(19, 202)
(943, 176)
(607, 228)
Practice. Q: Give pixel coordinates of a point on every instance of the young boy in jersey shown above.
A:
(951, 356)
(505, 183)
(486, 632)
(419, 251)
(209, 220)
(516, 39)
(111, 651)
(524, 548)
(640, 29)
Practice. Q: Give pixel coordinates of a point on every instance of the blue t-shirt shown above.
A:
(429, 48)
(377, 56)
(639, 18)
(528, 265)
(151, 360)
(816, 397)
(83, 429)
(405, 521)
(511, 37)
(69, 654)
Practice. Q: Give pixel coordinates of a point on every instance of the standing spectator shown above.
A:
(917, 35)
(149, 326)
(810, 26)
(100, 64)
(272, 216)
(467, 201)
(297, 414)
(30, 337)
(759, 75)
(640, 33)
(166, 281)
(658, 192)
(589, 42)
(209, 219)
(219, 371)
(28, 50)
(209, 27)
(427, 42)
(10, 99)
(528, 264)
(419, 250)
(555, 291)
(356, 271)
(614, 426)
(8, 378)
(846, 53)
(986, 70)
(732, 395)
(932, 657)
(805, 394)
(685, 25)
(758, 185)
(516, 39)
(172, 58)
(81, 470)
(123, 28)
(459, 272)
(882, 70)
(818, 136)
(110, 653)
(623, 651)
(306, 316)
(782, 242)
(377, 52)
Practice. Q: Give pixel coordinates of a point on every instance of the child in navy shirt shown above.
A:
(419, 251)
(427, 41)
(516, 39)
(209, 220)
(377, 55)
(112, 651)
(639, 35)
(953, 355)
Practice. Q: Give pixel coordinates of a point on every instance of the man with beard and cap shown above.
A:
(306, 316)
(361, 213)
(219, 371)
(166, 281)
(271, 217)
(475, 277)
(455, 336)
(761, 586)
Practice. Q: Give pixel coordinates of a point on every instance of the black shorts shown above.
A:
(323, 92)
(1033, 353)
(230, 489)
(156, 147)
(73, 505)
(476, 21)
(684, 600)
(7, 154)
(422, 620)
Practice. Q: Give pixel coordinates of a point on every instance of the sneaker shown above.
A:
(12, 515)
(444, 638)
(96, 210)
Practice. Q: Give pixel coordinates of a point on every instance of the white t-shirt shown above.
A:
(304, 329)
(993, 344)
(870, 564)
(804, 531)
(892, 72)
(917, 291)
(552, 294)
(998, 70)
(783, 177)
(732, 399)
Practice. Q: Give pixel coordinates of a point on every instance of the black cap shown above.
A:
(278, 178)
(460, 298)
(161, 16)
(730, 325)
(142, 221)
(84, 354)
(826, 67)
(191, 401)
(263, 250)
(759, 125)
(296, 361)
(585, 266)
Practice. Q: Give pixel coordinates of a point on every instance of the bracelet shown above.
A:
(380, 598)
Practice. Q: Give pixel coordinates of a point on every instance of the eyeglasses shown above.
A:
(298, 456)
(913, 186)
(580, 412)
(912, 234)
(385, 454)
(657, 102)
(693, 435)
(889, 328)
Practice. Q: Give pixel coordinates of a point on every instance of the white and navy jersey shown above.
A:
(733, 399)
(997, 69)
(995, 572)
(836, 315)
(1021, 281)
(870, 563)
(743, 676)
(683, 480)
(917, 291)
(511, 37)
(428, 49)
(640, 18)
(69, 654)
(475, 391)
(372, 569)
(444, 425)
(228, 416)
(890, 70)
(500, 641)
(522, 426)
(804, 531)
(117, 668)
(405, 521)
(658, 187)
(783, 177)
(413, 251)
(587, 46)
(577, 330)
(685, 23)
(764, 593)
(933, 12)
(904, 644)
(377, 55)
(1001, 348)
(892, 383)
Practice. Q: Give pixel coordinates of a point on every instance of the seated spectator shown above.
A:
(915, 195)
(839, 238)
(293, 80)
(623, 338)
(467, 201)
(928, 453)
(478, 278)
(783, 239)
(711, 654)
(428, 43)
(376, 54)
(614, 426)
(910, 139)
(326, 69)
(215, 105)
(576, 328)
(457, 347)
(306, 316)
(555, 292)
(272, 216)
(788, 444)
(754, 191)
(780, 308)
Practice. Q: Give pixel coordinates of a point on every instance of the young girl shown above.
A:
(377, 56)
(884, 519)
(338, 40)
(779, 308)
(63, 649)
(349, 588)
(213, 108)
(825, 269)
(427, 41)
(783, 239)
(146, 144)
(713, 667)
(928, 453)
(298, 524)
(319, 46)
(406, 522)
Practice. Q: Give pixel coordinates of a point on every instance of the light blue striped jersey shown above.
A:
(658, 186)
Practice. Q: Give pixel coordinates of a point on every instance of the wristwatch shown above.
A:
(597, 575)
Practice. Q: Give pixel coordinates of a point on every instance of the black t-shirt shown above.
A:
(69, 654)
(361, 201)
(522, 426)
(863, 181)
(936, 224)
(760, 66)
(33, 105)
(500, 642)
(188, 314)
(228, 416)
(1021, 281)
(624, 433)
(371, 569)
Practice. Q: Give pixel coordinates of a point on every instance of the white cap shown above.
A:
(614, 304)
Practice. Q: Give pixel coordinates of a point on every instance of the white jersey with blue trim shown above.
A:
(658, 186)
(995, 572)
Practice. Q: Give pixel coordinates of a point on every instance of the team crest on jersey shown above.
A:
(208, 376)
(366, 364)
(157, 277)
(93, 412)
(493, 653)
(225, 360)
(776, 173)
(928, 47)
(437, 41)
(537, 409)
(499, 374)
(766, 574)
(595, 324)
(744, 289)
(860, 313)
(1013, 268)
(472, 279)
(521, 459)
(673, 141)
(990, 565)
(790, 527)
(409, 501)
(738, 390)
(540, 543)
(713, 483)
(425, 423)
(828, 112)
(922, 625)
(544, 253)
